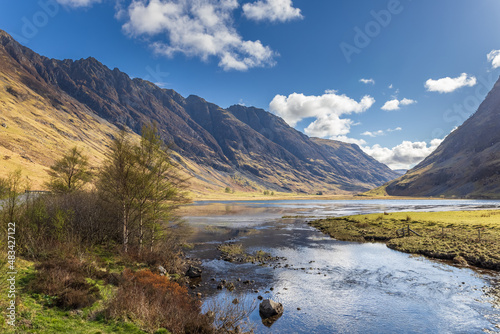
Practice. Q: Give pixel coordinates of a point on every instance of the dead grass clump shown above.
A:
(155, 302)
(231, 249)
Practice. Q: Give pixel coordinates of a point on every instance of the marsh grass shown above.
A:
(231, 249)
(471, 235)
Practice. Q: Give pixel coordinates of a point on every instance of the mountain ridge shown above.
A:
(239, 146)
(466, 164)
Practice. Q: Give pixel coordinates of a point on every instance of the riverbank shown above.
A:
(278, 196)
(466, 237)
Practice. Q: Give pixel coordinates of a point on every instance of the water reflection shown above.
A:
(329, 286)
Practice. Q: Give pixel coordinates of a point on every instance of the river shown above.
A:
(329, 286)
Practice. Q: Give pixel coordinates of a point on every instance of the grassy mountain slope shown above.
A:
(50, 105)
(466, 164)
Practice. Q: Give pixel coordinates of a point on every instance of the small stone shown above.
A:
(193, 272)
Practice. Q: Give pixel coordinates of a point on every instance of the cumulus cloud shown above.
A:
(77, 3)
(396, 104)
(448, 85)
(373, 134)
(329, 125)
(271, 10)
(346, 139)
(367, 81)
(201, 28)
(403, 156)
(494, 58)
(327, 109)
(380, 132)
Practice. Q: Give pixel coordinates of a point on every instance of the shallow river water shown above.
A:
(329, 286)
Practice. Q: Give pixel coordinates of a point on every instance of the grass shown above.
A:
(35, 314)
(231, 249)
(470, 236)
(236, 253)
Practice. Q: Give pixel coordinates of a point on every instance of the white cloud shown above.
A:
(374, 133)
(327, 109)
(346, 139)
(329, 125)
(403, 156)
(390, 86)
(197, 28)
(77, 3)
(271, 10)
(395, 104)
(380, 132)
(448, 85)
(494, 58)
(395, 129)
(367, 81)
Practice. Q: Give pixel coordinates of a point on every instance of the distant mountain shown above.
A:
(400, 171)
(466, 164)
(239, 147)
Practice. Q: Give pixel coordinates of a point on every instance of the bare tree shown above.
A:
(70, 173)
(162, 189)
(144, 182)
(12, 190)
(118, 181)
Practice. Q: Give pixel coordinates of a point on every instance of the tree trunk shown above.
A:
(141, 233)
(125, 229)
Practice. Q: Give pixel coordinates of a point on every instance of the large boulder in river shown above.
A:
(269, 308)
(193, 272)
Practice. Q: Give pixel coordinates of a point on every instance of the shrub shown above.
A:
(156, 302)
(65, 280)
(68, 221)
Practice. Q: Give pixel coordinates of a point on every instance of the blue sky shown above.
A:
(426, 64)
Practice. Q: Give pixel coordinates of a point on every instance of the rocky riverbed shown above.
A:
(329, 286)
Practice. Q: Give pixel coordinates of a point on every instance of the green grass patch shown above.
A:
(36, 314)
(469, 235)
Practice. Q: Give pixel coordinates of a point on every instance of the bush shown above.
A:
(65, 223)
(65, 280)
(157, 303)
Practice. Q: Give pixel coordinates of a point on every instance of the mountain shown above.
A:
(400, 171)
(83, 102)
(466, 164)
